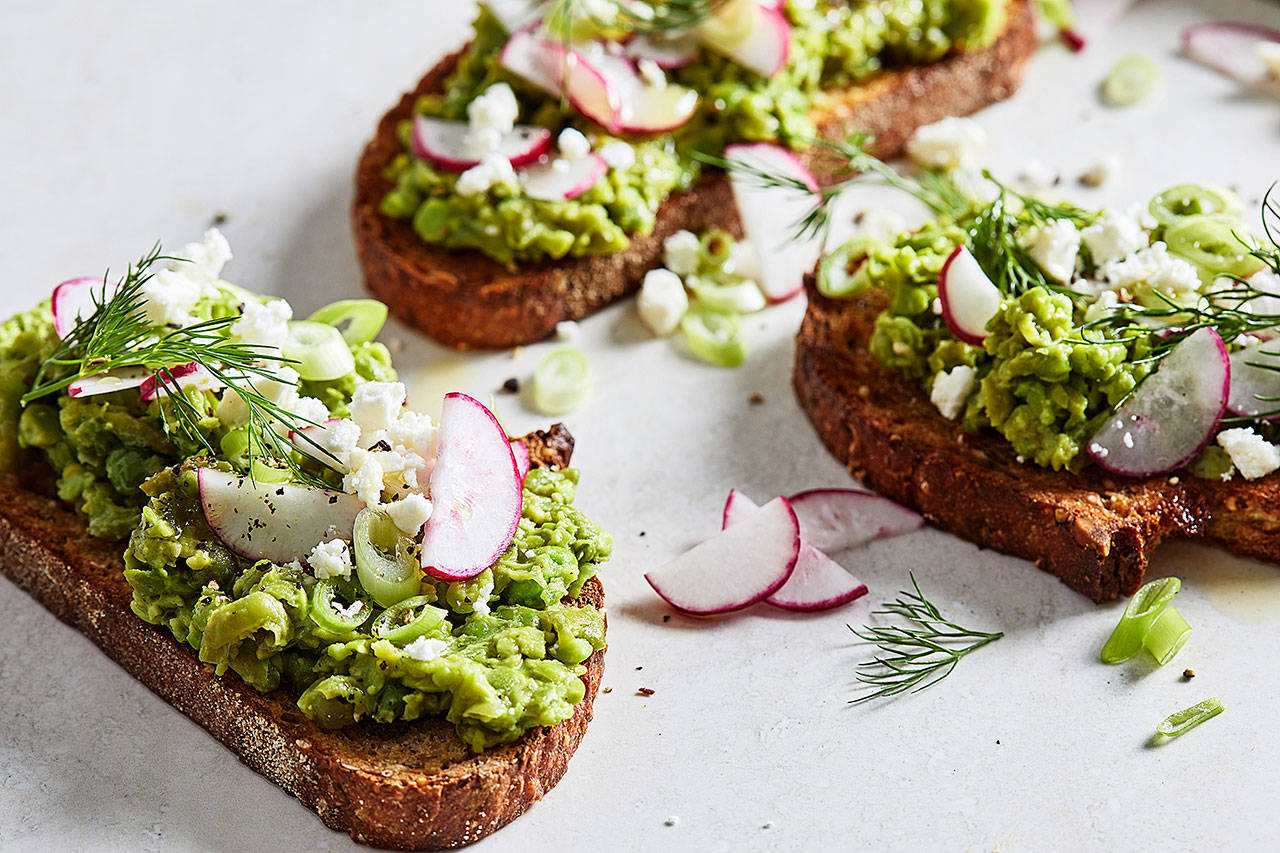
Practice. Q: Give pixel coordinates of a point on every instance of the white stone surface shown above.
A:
(124, 122)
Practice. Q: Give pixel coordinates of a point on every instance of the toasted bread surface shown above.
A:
(1094, 530)
(464, 299)
(410, 786)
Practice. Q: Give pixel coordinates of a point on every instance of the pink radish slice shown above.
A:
(448, 144)
(1230, 48)
(279, 522)
(735, 507)
(109, 382)
(561, 180)
(969, 299)
(475, 488)
(665, 53)
(835, 519)
(764, 46)
(608, 90)
(735, 568)
(73, 300)
(1255, 380)
(1172, 415)
(770, 216)
(521, 453)
(187, 376)
(538, 61)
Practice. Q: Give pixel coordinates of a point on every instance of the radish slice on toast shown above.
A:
(538, 61)
(735, 568)
(608, 90)
(1233, 49)
(73, 300)
(475, 489)
(969, 299)
(449, 146)
(273, 521)
(1255, 380)
(665, 53)
(770, 216)
(754, 35)
(1172, 415)
(561, 180)
(186, 376)
(520, 451)
(108, 382)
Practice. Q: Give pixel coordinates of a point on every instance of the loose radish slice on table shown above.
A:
(448, 144)
(1172, 415)
(665, 53)
(771, 216)
(186, 376)
(475, 488)
(73, 300)
(735, 568)
(1232, 48)
(608, 90)
(755, 36)
(520, 451)
(834, 519)
(106, 383)
(538, 61)
(279, 522)
(1255, 380)
(735, 507)
(561, 180)
(969, 299)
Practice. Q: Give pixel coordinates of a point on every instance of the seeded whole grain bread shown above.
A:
(409, 786)
(1094, 530)
(464, 299)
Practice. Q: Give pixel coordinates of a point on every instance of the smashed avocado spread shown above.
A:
(830, 47)
(496, 654)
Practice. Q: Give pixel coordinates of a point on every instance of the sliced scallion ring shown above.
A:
(333, 619)
(1139, 615)
(385, 563)
(561, 381)
(838, 272)
(408, 620)
(739, 295)
(364, 318)
(717, 246)
(1129, 81)
(1211, 243)
(714, 336)
(319, 350)
(1185, 200)
(1167, 635)
(1188, 718)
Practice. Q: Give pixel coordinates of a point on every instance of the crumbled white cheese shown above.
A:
(951, 390)
(1252, 454)
(618, 155)
(662, 302)
(652, 73)
(204, 260)
(952, 143)
(974, 186)
(311, 409)
(168, 297)
(1037, 175)
(263, 324)
(426, 648)
(281, 390)
(1155, 268)
(573, 144)
(376, 405)
(1054, 247)
(1114, 236)
(567, 330)
(1105, 169)
(681, 252)
(410, 513)
(494, 170)
(1101, 307)
(743, 260)
(330, 560)
(339, 439)
(414, 431)
(491, 116)
(365, 478)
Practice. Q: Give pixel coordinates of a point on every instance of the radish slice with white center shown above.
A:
(771, 215)
(187, 376)
(520, 451)
(969, 299)
(448, 144)
(73, 301)
(109, 382)
(560, 179)
(1172, 415)
(1232, 48)
(835, 519)
(538, 61)
(279, 522)
(665, 53)
(759, 39)
(475, 489)
(608, 90)
(735, 568)
(735, 507)
(1255, 380)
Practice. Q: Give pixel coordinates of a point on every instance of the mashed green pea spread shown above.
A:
(833, 45)
(505, 654)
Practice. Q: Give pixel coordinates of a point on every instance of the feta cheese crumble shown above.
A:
(376, 405)
(1054, 247)
(425, 648)
(1155, 268)
(1114, 236)
(662, 302)
(681, 252)
(951, 390)
(573, 144)
(410, 513)
(491, 116)
(330, 560)
(1252, 454)
(263, 324)
(618, 155)
(953, 143)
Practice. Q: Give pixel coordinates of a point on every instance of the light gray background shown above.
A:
(124, 122)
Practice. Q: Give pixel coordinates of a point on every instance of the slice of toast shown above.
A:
(1093, 530)
(464, 299)
(410, 786)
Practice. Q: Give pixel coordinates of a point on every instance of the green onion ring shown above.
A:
(324, 614)
(1167, 635)
(561, 381)
(387, 579)
(400, 624)
(364, 319)
(1141, 612)
(714, 336)
(1188, 718)
(319, 351)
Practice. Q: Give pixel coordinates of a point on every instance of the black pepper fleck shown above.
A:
(755, 399)
(511, 386)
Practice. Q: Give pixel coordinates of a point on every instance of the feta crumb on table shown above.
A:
(662, 302)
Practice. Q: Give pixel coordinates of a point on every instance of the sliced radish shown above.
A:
(1231, 48)
(735, 568)
(187, 376)
(818, 583)
(835, 519)
(279, 522)
(1255, 379)
(969, 299)
(735, 507)
(111, 381)
(1172, 415)
(1092, 19)
(753, 35)
(520, 451)
(476, 491)
(448, 144)
(770, 216)
(666, 53)
(608, 90)
(73, 301)
(538, 61)
(561, 180)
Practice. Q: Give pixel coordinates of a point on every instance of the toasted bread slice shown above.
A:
(410, 786)
(1093, 530)
(464, 299)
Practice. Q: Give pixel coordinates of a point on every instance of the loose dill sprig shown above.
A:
(641, 17)
(914, 656)
(119, 335)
